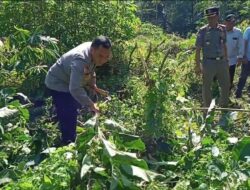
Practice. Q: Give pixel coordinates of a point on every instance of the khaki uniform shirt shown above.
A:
(212, 41)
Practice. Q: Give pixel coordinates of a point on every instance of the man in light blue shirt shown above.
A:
(235, 45)
(245, 68)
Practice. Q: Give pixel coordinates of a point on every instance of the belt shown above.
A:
(214, 58)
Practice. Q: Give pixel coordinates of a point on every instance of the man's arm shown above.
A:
(224, 41)
(240, 47)
(78, 92)
(199, 44)
(245, 48)
(246, 38)
(198, 67)
(225, 51)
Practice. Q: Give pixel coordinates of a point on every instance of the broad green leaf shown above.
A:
(80, 130)
(122, 156)
(91, 122)
(135, 171)
(130, 142)
(23, 137)
(83, 138)
(128, 183)
(26, 185)
(113, 124)
(125, 159)
(135, 145)
(242, 149)
(23, 31)
(146, 175)
(179, 133)
(47, 180)
(101, 171)
(25, 113)
(114, 184)
(86, 165)
(207, 141)
(153, 175)
(112, 151)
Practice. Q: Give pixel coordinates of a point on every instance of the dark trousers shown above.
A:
(66, 110)
(231, 73)
(245, 72)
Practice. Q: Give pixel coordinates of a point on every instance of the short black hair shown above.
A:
(230, 17)
(101, 41)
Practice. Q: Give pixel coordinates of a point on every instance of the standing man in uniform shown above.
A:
(235, 45)
(72, 83)
(245, 68)
(211, 41)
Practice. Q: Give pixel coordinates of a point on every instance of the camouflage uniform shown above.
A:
(214, 63)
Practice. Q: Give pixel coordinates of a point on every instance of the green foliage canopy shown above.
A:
(71, 22)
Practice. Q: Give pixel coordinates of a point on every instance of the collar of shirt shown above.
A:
(211, 28)
(234, 30)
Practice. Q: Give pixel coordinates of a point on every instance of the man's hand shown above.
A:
(94, 109)
(198, 68)
(102, 92)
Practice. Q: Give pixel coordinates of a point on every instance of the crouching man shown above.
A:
(72, 83)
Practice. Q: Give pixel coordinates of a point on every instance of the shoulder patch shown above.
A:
(78, 56)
